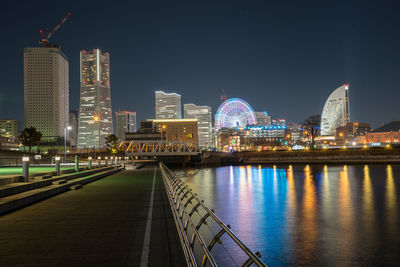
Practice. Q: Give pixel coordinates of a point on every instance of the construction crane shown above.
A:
(45, 39)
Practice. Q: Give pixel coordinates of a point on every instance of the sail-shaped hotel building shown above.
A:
(336, 110)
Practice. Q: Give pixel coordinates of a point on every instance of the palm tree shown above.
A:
(112, 143)
(30, 137)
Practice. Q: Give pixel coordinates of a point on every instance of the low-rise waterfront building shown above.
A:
(253, 138)
(263, 119)
(9, 128)
(387, 134)
(348, 134)
(184, 130)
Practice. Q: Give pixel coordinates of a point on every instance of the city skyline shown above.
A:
(248, 57)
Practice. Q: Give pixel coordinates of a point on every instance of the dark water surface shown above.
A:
(308, 215)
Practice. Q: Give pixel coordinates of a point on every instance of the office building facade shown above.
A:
(168, 105)
(46, 91)
(203, 114)
(125, 123)
(95, 114)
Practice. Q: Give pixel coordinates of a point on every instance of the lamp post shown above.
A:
(25, 168)
(67, 127)
(58, 170)
(162, 128)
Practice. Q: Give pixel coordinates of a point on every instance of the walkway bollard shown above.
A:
(76, 163)
(25, 168)
(106, 158)
(90, 163)
(58, 168)
(99, 162)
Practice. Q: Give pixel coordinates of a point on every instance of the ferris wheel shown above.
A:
(234, 113)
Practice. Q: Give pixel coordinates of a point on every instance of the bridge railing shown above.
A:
(205, 239)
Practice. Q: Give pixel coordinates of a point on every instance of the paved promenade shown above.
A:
(102, 224)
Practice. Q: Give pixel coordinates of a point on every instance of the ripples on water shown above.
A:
(308, 215)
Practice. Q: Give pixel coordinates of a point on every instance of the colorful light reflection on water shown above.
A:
(309, 215)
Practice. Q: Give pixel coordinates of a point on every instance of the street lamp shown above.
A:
(162, 128)
(67, 127)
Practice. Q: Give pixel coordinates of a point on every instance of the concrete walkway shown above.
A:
(102, 224)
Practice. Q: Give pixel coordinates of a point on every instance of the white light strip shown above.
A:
(98, 65)
(80, 60)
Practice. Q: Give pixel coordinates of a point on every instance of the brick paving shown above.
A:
(102, 224)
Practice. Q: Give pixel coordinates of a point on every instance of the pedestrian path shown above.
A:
(102, 224)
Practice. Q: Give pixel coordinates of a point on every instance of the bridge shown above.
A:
(159, 148)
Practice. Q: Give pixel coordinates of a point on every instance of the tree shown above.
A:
(312, 124)
(30, 137)
(38, 139)
(112, 143)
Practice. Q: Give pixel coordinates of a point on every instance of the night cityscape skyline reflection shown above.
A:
(313, 214)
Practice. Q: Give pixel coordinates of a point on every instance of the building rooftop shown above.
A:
(389, 127)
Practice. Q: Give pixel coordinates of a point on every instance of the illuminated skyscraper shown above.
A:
(203, 115)
(95, 115)
(46, 91)
(168, 105)
(72, 134)
(125, 123)
(336, 111)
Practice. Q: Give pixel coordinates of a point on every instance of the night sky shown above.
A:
(284, 57)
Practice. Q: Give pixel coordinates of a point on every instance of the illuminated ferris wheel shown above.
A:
(233, 113)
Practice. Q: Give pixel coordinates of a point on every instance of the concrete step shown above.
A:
(42, 177)
(17, 201)
(76, 187)
(15, 188)
(62, 181)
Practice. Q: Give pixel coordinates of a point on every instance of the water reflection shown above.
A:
(309, 215)
(308, 229)
(391, 203)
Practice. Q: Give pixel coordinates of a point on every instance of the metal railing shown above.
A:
(200, 230)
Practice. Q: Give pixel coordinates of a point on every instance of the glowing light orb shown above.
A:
(234, 113)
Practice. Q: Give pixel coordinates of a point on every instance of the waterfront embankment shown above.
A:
(339, 156)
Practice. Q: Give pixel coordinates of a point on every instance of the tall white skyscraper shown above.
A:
(95, 115)
(125, 123)
(46, 91)
(336, 111)
(168, 105)
(203, 115)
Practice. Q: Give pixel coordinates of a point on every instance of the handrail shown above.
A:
(180, 196)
